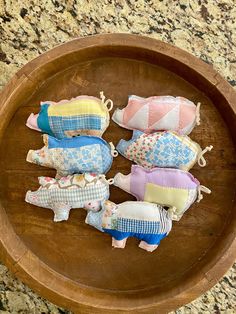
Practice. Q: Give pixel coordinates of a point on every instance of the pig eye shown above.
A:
(89, 203)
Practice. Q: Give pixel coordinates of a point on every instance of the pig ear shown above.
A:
(45, 180)
(45, 139)
(29, 156)
(136, 134)
(61, 174)
(109, 203)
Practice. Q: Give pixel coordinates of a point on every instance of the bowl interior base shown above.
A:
(75, 249)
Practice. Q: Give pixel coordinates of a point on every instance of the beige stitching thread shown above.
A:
(204, 189)
(114, 152)
(198, 122)
(110, 181)
(201, 159)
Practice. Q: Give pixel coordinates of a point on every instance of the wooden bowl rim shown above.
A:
(65, 292)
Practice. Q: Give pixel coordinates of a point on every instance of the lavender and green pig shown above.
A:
(165, 186)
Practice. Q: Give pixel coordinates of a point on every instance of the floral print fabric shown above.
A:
(161, 149)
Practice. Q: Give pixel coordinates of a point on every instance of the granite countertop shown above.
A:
(205, 28)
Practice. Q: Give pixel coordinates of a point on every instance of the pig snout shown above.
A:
(122, 181)
(122, 146)
(32, 122)
(37, 157)
(118, 116)
(31, 198)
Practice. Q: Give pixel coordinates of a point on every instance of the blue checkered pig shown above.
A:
(148, 222)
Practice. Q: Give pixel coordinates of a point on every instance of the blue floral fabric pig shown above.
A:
(74, 155)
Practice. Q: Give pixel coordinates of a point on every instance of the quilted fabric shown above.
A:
(146, 221)
(83, 115)
(161, 149)
(73, 191)
(174, 188)
(158, 113)
(76, 155)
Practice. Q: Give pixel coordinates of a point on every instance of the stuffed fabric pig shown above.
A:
(83, 115)
(162, 149)
(74, 155)
(169, 187)
(158, 113)
(145, 221)
(75, 191)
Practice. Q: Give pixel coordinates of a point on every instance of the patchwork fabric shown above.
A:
(137, 226)
(158, 113)
(69, 192)
(105, 155)
(75, 125)
(172, 151)
(174, 188)
(162, 149)
(149, 223)
(166, 195)
(76, 196)
(76, 155)
(146, 239)
(83, 115)
(87, 157)
(95, 220)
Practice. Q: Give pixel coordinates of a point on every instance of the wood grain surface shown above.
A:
(71, 263)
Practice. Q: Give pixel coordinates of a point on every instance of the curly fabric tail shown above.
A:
(108, 101)
(201, 159)
(201, 189)
(114, 152)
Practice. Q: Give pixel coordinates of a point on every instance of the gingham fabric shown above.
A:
(75, 197)
(59, 125)
(136, 217)
(83, 115)
(145, 227)
(151, 225)
(137, 226)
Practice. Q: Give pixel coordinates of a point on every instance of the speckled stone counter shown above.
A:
(205, 28)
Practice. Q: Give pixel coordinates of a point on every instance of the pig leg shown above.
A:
(148, 247)
(61, 211)
(120, 244)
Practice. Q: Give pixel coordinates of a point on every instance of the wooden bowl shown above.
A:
(71, 263)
